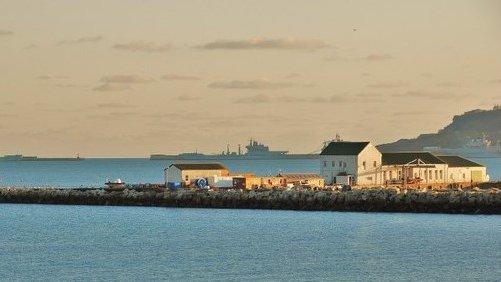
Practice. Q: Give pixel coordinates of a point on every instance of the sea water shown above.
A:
(95, 172)
(61, 243)
(58, 243)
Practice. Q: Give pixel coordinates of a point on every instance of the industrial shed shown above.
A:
(184, 174)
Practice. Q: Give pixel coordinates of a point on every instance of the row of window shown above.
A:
(343, 164)
(428, 174)
(333, 164)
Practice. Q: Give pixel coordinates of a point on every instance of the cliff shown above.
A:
(474, 201)
(470, 125)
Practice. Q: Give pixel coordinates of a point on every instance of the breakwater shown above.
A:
(475, 201)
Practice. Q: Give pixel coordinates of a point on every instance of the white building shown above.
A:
(361, 163)
(350, 163)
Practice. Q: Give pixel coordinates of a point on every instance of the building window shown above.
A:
(384, 175)
(325, 164)
(364, 164)
(441, 174)
(464, 176)
(436, 174)
(391, 174)
(375, 163)
(344, 165)
(186, 177)
(340, 163)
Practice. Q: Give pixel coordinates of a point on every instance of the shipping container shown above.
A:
(174, 185)
(220, 181)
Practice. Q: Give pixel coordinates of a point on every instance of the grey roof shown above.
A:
(344, 148)
(457, 161)
(402, 158)
(199, 166)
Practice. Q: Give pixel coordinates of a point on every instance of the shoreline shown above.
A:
(358, 200)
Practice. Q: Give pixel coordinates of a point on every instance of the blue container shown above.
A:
(174, 185)
(201, 183)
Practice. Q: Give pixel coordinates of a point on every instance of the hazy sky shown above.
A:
(131, 78)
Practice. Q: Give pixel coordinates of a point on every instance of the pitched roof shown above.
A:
(209, 166)
(299, 175)
(344, 148)
(402, 158)
(456, 161)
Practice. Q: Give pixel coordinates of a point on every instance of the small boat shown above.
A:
(115, 185)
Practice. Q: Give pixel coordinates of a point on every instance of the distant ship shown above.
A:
(474, 147)
(19, 158)
(255, 151)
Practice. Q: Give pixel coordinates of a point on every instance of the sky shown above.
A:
(129, 78)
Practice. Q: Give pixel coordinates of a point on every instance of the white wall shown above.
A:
(221, 181)
(464, 174)
(173, 174)
(370, 173)
(330, 166)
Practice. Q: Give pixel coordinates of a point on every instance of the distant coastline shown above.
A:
(21, 158)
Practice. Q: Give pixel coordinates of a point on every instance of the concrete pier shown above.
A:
(475, 201)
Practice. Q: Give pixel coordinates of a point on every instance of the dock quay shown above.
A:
(470, 201)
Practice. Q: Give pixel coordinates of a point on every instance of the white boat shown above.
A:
(115, 184)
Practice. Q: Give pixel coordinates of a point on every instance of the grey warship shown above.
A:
(255, 151)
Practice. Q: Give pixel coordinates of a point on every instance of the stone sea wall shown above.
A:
(474, 201)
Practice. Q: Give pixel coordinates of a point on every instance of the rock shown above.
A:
(366, 199)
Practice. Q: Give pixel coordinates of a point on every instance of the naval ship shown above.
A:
(255, 151)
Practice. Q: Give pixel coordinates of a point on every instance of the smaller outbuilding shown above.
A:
(303, 179)
(254, 182)
(461, 170)
(178, 175)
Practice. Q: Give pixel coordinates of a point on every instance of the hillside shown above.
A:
(463, 129)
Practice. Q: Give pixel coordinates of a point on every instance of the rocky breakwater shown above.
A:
(479, 201)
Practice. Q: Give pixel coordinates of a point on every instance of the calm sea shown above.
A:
(94, 172)
(61, 243)
(45, 242)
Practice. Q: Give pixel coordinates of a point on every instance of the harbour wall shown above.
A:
(477, 201)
